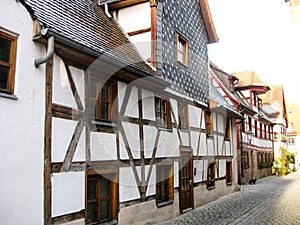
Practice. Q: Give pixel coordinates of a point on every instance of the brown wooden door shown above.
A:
(186, 181)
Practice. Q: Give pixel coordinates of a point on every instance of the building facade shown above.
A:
(105, 134)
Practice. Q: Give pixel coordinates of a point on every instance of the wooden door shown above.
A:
(186, 181)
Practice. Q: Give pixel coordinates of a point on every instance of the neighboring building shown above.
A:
(293, 131)
(91, 132)
(295, 11)
(254, 139)
(273, 104)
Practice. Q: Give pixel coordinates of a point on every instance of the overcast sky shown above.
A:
(258, 35)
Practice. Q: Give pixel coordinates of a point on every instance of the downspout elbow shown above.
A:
(48, 55)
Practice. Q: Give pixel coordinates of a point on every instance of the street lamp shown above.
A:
(249, 136)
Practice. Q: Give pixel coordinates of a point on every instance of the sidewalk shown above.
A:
(273, 200)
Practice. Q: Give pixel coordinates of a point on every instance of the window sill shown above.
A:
(165, 129)
(229, 183)
(164, 203)
(113, 222)
(211, 188)
(10, 96)
(104, 124)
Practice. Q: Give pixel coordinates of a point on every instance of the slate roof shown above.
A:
(222, 103)
(85, 22)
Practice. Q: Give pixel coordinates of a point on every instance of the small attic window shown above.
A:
(182, 50)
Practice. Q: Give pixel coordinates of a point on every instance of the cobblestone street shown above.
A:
(273, 200)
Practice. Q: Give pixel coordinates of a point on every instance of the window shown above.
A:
(8, 46)
(162, 113)
(211, 176)
(183, 115)
(229, 173)
(101, 200)
(249, 123)
(255, 129)
(182, 50)
(208, 122)
(227, 129)
(164, 184)
(102, 95)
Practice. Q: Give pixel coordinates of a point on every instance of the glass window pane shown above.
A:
(104, 187)
(92, 186)
(4, 71)
(92, 212)
(5, 50)
(104, 111)
(163, 106)
(105, 93)
(157, 105)
(104, 210)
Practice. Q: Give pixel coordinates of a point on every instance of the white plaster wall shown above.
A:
(211, 150)
(168, 144)
(150, 134)
(221, 125)
(140, 14)
(222, 168)
(132, 135)
(127, 185)
(62, 93)
(174, 106)
(204, 172)
(121, 93)
(221, 146)
(68, 193)
(22, 126)
(203, 145)
(143, 44)
(194, 142)
(132, 105)
(228, 148)
(148, 105)
(198, 165)
(103, 146)
(176, 174)
(185, 138)
(152, 182)
(62, 132)
(194, 116)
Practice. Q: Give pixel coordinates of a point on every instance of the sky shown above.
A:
(258, 35)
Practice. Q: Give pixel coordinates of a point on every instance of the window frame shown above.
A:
(209, 122)
(227, 133)
(229, 172)
(100, 83)
(211, 172)
(182, 52)
(113, 196)
(159, 114)
(12, 61)
(169, 182)
(183, 122)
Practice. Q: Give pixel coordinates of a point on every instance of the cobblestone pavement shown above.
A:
(273, 200)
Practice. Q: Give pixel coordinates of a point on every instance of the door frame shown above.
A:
(186, 151)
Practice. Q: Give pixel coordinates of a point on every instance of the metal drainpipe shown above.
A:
(48, 55)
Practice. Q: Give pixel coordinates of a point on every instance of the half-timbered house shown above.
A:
(92, 132)
(255, 148)
(256, 141)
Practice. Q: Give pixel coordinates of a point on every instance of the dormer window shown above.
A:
(182, 50)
